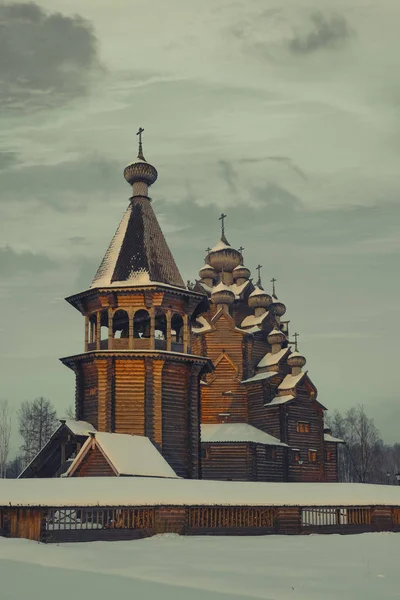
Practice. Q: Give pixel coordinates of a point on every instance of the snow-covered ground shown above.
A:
(169, 567)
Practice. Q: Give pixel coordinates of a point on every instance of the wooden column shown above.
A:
(185, 334)
(86, 332)
(152, 328)
(98, 326)
(169, 341)
(131, 315)
(110, 329)
(158, 366)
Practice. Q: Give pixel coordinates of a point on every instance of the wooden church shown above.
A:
(199, 383)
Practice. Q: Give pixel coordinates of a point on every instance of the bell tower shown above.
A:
(136, 374)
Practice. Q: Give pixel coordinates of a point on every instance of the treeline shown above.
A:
(364, 457)
(36, 421)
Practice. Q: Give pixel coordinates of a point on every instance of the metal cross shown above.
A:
(208, 250)
(259, 267)
(296, 335)
(222, 219)
(241, 254)
(139, 133)
(241, 249)
(273, 286)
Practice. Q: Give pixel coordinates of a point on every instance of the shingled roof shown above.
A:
(138, 253)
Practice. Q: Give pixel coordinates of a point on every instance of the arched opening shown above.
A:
(103, 327)
(141, 324)
(161, 325)
(121, 324)
(92, 332)
(177, 332)
(160, 332)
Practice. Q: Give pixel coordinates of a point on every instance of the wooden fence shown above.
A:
(64, 524)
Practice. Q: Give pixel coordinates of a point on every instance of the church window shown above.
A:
(270, 453)
(296, 456)
(312, 455)
(329, 456)
(302, 427)
(205, 453)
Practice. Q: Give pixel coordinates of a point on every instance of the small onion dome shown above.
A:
(276, 337)
(279, 307)
(140, 170)
(296, 360)
(241, 272)
(207, 272)
(221, 294)
(224, 258)
(259, 298)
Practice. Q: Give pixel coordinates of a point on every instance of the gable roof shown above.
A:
(132, 455)
(138, 253)
(270, 359)
(48, 454)
(260, 377)
(237, 432)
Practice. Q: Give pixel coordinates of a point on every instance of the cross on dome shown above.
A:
(139, 133)
(222, 219)
(259, 267)
(273, 280)
(296, 336)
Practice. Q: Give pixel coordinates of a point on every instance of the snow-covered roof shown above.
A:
(258, 292)
(221, 287)
(272, 359)
(239, 289)
(148, 491)
(290, 381)
(252, 320)
(234, 287)
(221, 246)
(205, 325)
(129, 455)
(280, 400)
(329, 438)
(237, 432)
(138, 253)
(79, 427)
(260, 377)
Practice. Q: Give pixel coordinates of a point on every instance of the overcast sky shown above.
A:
(287, 119)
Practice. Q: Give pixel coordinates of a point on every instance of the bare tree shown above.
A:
(37, 420)
(363, 456)
(15, 467)
(5, 436)
(70, 412)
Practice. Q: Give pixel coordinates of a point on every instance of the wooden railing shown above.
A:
(111, 523)
(99, 518)
(231, 516)
(325, 516)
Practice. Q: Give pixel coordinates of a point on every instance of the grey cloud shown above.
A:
(326, 32)
(7, 159)
(228, 174)
(46, 59)
(64, 186)
(13, 262)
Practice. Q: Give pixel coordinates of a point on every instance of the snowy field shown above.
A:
(169, 567)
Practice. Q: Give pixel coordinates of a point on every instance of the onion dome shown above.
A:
(207, 272)
(241, 272)
(140, 170)
(259, 298)
(296, 360)
(223, 257)
(278, 306)
(221, 294)
(276, 337)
